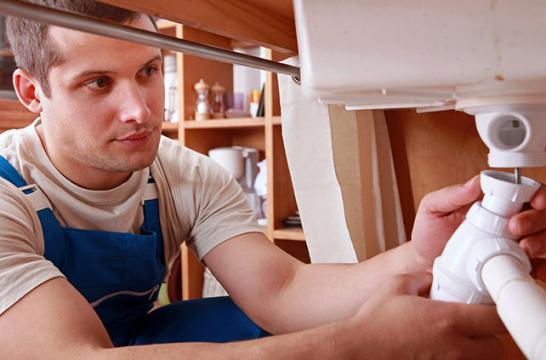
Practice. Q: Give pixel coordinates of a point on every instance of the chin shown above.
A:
(135, 165)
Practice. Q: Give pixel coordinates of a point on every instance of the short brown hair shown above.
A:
(33, 48)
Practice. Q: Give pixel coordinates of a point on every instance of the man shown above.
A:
(94, 204)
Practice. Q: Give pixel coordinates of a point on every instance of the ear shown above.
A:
(28, 90)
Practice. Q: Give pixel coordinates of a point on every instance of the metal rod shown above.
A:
(517, 176)
(118, 31)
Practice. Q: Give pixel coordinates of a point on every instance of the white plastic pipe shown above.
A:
(521, 303)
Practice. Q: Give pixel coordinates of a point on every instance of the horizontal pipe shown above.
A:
(521, 303)
(118, 31)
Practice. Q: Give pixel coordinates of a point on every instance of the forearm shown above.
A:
(321, 293)
(331, 341)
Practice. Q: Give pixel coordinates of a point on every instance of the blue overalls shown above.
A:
(120, 274)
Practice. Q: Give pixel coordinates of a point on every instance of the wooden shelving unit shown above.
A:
(263, 133)
(224, 123)
(295, 234)
(13, 115)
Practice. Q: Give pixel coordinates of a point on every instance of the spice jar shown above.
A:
(202, 106)
(218, 107)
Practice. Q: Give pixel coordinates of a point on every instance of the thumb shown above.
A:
(453, 197)
(410, 284)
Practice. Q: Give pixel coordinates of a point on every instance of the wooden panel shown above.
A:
(250, 137)
(295, 234)
(13, 115)
(284, 201)
(431, 151)
(195, 68)
(269, 23)
(192, 275)
(297, 249)
(225, 123)
(202, 140)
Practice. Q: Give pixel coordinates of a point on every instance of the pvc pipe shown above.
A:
(118, 31)
(521, 303)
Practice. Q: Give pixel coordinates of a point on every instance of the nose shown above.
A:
(133, 105)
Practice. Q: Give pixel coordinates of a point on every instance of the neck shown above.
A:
(87, 177)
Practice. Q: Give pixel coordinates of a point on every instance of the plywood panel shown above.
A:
(269, 23)
(431, 151)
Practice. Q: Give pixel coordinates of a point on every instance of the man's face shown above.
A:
(106, 104)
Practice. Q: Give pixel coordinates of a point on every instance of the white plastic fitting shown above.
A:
(514, 134)
(483, 235)
(482, 260)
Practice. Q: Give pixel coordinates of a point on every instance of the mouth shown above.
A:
(136, 139)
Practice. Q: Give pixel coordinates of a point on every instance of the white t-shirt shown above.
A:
(199, 202)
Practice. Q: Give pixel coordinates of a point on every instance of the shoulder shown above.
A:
(19, 221)
(15, 142)
(182, 164)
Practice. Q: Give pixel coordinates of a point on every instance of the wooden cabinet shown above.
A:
(13, 115)
(263, 133)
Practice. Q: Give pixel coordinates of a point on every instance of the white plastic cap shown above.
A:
(502, 195)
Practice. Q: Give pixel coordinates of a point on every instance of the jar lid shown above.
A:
(218, 88)
(201, 85)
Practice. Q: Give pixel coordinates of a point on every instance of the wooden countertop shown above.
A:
(269, 23)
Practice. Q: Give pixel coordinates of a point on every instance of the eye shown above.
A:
(100, 83)
(149, 71)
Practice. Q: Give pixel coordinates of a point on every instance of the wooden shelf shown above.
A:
(224, 123)
(295, 234)
(168, 127)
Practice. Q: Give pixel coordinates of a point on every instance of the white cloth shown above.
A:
(200, 203)
(308, 143)
(343, 175)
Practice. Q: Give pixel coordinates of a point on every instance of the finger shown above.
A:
(539, 269)
(478, 320)
(527, 222)
(453, 197)
(485, 347)
(534, 245)
(410, 284)
(538, 201)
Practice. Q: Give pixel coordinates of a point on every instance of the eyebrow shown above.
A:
(108, 72)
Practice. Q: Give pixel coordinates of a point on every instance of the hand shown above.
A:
(442, 211)
(397, 323)
(439, 214)
(530, 225)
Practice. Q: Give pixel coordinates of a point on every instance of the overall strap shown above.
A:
(50, 226)
(151, 214)
(8, 172)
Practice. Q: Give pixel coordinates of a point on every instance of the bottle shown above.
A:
(172, 101)
(254, 102)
